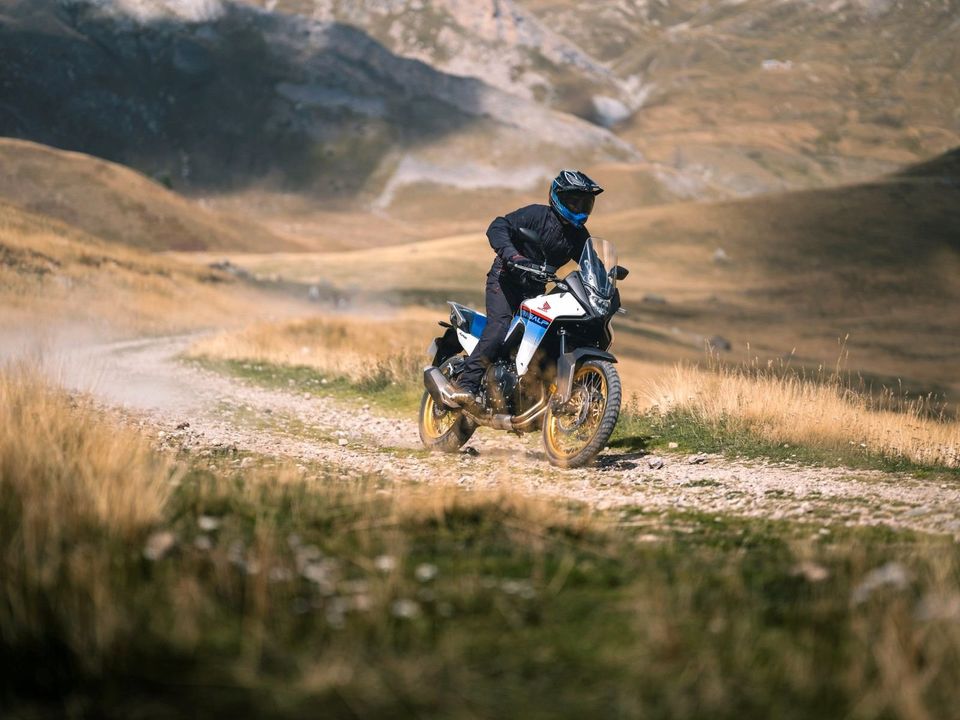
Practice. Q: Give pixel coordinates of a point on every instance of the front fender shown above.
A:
(567, 364)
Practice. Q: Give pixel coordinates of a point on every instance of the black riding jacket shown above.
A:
(560, 242)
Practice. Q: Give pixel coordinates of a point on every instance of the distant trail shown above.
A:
(145, 377)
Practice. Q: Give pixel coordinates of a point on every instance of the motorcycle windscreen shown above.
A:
(597, 261)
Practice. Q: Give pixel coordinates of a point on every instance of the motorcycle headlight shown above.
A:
(599, 303)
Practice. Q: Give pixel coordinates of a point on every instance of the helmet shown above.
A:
(572, 195)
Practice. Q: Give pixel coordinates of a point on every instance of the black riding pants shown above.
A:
(504, 296)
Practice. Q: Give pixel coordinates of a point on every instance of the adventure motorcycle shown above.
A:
(554, 371)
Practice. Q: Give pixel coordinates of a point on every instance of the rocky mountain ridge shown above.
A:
(218, 95)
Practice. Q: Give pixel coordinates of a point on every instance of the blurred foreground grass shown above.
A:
(136, 586)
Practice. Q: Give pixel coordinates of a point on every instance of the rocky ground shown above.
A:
(203, 412)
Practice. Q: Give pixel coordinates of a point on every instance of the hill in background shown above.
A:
(736, 97)
(222, 97)
(114, 203)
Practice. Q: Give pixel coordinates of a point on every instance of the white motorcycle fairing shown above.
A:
(535, 317)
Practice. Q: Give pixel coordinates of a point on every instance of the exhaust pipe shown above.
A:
(441, 391)
(439, 387)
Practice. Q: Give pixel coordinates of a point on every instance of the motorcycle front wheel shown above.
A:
(576, 432)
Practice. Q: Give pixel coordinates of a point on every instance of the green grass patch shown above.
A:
(637, 431)
(380, 388)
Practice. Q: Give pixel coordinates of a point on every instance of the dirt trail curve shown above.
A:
(146, 376)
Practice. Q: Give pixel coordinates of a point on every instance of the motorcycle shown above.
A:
(554, 372)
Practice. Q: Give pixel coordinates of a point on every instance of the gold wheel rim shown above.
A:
(567, 435)
(437, 421)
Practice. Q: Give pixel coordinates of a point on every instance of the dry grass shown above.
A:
(327, 591)
(55, 274)
(382, 347)
(789, 408)
(70, 483)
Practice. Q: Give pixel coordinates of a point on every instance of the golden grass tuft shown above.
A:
(788, 408)
(359, 348)
(69, 478)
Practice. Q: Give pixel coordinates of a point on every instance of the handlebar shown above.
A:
(542, 275)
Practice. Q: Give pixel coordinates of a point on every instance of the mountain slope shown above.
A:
(765, 95)
(218, 96)
(745, 96)
(58, 277)
(115, 203)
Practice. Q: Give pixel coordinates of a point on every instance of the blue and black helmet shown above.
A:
(572, 195)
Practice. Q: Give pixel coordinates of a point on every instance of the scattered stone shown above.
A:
(893, 575)
(203, 543)
(471, 451)
(917, 511)
(405, 609)
(208, 523)
(183, 426)
(772, 64)
(385, 563)
(159, 544)
(810, 571)
(654, 299)
(718, 342)
(673, 445)
(425, 572)
(698, 459)
(246, 463)
(161, 435)
(655, 463)
(343, 441)
(720, 256)
(306, 396)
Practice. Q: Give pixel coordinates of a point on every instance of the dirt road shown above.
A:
(146, 377)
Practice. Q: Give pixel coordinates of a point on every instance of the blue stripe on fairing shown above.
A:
(477, 323)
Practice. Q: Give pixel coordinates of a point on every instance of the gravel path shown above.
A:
(145, 376)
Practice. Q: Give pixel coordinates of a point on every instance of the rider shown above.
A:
(562, 233)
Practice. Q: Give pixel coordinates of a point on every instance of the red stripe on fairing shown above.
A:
(539, 315)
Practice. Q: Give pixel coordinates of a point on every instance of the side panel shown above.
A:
(536, 315)
(469, 342)
(535, 326)
(469, 324)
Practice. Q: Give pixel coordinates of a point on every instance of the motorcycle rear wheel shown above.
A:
(443, 429)
(572, 437)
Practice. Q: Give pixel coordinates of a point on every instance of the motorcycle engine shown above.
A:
(501, 387)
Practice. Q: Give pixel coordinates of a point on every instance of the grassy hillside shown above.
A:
(117, 204)
(797, 274)
(55, 275)
(761, 95)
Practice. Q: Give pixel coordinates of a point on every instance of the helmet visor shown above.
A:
(577, 202)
